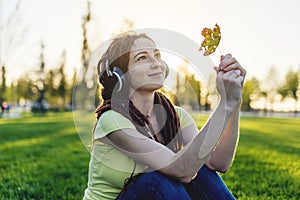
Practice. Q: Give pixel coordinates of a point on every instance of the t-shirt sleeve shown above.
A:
(111, 121)
(184, 117)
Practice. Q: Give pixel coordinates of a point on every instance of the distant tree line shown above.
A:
(271, 90)
(45, 89)
(51, 89)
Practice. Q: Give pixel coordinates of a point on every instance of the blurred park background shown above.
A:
(44, 48)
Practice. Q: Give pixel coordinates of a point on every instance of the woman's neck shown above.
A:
(144, 101)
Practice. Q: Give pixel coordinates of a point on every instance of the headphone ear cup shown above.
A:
(119, 74)
(118, 71)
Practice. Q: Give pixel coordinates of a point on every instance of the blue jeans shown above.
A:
(156, 186)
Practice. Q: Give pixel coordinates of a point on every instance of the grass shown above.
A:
(43, 158)
(267, 164)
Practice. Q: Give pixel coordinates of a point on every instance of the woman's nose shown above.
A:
(156, 62)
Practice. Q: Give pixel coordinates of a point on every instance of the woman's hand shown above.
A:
(187, 179)
(230, 80)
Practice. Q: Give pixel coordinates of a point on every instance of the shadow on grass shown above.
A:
(283, 145)
(55, 168)
(252, 178)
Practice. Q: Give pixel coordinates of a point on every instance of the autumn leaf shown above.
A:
(211, 40)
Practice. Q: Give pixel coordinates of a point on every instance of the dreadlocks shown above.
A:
(170, 132)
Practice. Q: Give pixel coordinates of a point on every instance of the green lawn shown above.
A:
(43, 158)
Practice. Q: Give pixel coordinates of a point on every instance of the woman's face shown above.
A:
(146, 68)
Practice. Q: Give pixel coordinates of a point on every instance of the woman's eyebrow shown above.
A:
(145, 52)
(142, 52)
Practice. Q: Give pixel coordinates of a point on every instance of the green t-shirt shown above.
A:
(109, 167)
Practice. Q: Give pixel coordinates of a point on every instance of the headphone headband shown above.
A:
(108, 71)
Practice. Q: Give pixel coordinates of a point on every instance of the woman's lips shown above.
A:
(156, 74)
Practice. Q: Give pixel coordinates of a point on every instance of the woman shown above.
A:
(146, 148)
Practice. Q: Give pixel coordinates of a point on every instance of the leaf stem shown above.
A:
(220, 50)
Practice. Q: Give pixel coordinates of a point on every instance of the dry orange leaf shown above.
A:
(211, 40)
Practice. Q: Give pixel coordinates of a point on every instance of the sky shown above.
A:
(258, 33)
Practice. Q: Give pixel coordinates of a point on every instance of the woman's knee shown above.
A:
(212, 183)
(160, 186)
(160, 180)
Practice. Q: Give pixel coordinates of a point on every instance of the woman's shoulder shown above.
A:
(111, 114)
(111, 121)
(184, 117)
(113, 118)
(180, 111)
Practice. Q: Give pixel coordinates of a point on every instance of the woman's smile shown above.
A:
(156, 74)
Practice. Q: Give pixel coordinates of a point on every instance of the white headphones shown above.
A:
(116, 71)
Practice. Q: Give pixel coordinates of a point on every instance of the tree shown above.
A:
(3, 84)
(51, 89)
(40, 85)
(11, 93)
(62, 86)
(180, 83)
(187, 87)
(73, 90)
(85, 46)
(193, 91)
(210, 98)
(24, 88)
(269, 88)
(290, 86)
(80, 84)
(251, 88)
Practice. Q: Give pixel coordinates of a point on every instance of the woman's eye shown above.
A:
(158, 55)
(141, 58)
